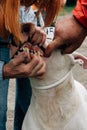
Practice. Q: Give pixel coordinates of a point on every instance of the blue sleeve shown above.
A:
(1, 70)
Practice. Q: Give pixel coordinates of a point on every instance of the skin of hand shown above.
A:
(34, 35)
(69, 35)
(30, 49)
(31, 33)
(24, 64)
(17, 68)
(13, 50)
(82, 57)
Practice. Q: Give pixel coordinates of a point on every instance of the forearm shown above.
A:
(69, 30)
(17, 68)
(78, 30)
(69, 35)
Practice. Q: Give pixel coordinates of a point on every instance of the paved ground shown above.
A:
(79, 73)
(11, 102)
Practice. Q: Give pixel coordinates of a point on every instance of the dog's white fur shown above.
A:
(57, 104)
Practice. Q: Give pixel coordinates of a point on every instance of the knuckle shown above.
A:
(36, 58)
(43, 33)
(12, 62)
(27, 71)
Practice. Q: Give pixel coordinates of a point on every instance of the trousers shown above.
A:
(22, 102)
(22, 98)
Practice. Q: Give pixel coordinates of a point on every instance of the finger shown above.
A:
(37, 50)
(36, 38)
(43, 40)
(70, 48)
(27, 58)
(39, 69)
(41, 77)
(52, 46)
(32, 30)
(28, 45)
(33, 63)
(38, 66)
(25, 69)
(39, 36)
(19, 58)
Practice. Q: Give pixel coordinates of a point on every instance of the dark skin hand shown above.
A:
(25, 64)
(31, 33)
(69, 35)
(17, 67)
(35, 35)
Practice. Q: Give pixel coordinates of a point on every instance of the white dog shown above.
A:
(58, 101)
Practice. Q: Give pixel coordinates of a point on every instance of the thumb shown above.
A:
(52, 46)
(69, 48)
(20, 59)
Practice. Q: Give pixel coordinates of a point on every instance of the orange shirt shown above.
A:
(80, 12)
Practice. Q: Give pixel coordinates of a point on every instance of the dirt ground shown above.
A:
(79, 73)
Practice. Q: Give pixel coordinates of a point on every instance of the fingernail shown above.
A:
(40, 45)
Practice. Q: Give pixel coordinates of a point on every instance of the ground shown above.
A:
(79, 73)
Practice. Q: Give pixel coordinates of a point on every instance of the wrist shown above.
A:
(6, 71)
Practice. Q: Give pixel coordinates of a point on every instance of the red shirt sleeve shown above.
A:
(80, 12)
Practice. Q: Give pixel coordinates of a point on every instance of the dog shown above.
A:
(58, 102)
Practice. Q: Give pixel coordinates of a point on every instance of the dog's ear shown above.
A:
(81, 58)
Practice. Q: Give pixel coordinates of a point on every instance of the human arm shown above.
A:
(39, 64)
(69, 35)
(35, 35)
(31, 33)
(70, 32)
(17, 68)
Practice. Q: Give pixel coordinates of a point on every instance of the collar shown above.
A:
(56, 83)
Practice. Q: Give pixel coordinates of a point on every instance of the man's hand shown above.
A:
(17, 68)
(35, 35)
(79, 56)
(69, 35)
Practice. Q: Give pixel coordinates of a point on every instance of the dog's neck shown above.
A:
(58, 68)
(57, 104)
(60, 101)
(63, 89)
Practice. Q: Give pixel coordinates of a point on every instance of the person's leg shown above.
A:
(3, 103)
(23, 96)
